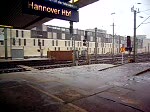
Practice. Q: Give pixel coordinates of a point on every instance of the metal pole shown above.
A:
(134, 51)
(148, 47)
(96, 45)
(113, 44)
(11, 43)
(88, 58)
(122, 58)
(5, 40)
(74, 51)
(73, 41)
(40, 47)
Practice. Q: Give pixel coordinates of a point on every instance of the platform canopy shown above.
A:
(12, 14)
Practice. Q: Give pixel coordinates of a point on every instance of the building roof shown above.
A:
(11, 14)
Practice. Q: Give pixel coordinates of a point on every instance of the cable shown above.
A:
(143, 21)
(145, 10)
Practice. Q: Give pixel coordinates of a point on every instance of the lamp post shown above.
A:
(113, 39)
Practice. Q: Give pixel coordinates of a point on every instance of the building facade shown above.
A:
(39, 40)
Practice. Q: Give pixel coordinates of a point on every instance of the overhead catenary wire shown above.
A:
(143, 22)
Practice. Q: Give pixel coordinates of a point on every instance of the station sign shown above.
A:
(51, 9)
(64, 3)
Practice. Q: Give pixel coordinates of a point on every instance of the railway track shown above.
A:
(43, 64)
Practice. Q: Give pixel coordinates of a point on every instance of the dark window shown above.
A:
(65, 43)
(78, 44)
(14, 41)
(49, 29)
(2, 42)
(38, 34)
(34, 42)
(38, 42)
(19, 42)
(68, 36)
(55, 48)
(39, 28)
(42, 42)
(59, 35)
(56, 42)
(52, 42)
(24, 42)
(33, 34)
(17, 33)
(58, 48)
(41, 34)
(22, 33)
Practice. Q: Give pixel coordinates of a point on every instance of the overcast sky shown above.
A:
(99, 15)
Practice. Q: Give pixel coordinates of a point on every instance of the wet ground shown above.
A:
(88, 88)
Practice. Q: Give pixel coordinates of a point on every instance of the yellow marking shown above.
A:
(48, 94)
(77, 108)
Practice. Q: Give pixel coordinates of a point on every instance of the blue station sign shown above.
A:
(52, 9)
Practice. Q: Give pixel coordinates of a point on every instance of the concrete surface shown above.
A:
(85, 88)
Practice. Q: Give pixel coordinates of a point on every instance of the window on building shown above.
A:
(38, 42)
(1, 42)
(63, 36)
(54, 35)
(65, 43)
(90, 44)
(56, 42)
(67, 30)
(24, 42)
(42, 42)
(34, 42)
(19, 42)
(91, 38)
(52, 42)
(22, 33)
(14, 41)
(82, 32)
(17, 33)
(78, 44)
(58, 48)
(55, 49)
(68, 43)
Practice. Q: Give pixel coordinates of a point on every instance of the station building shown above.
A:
(30, 43)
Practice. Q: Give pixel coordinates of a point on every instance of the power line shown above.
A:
(145, 10)
(146, 23)
(143, 22)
